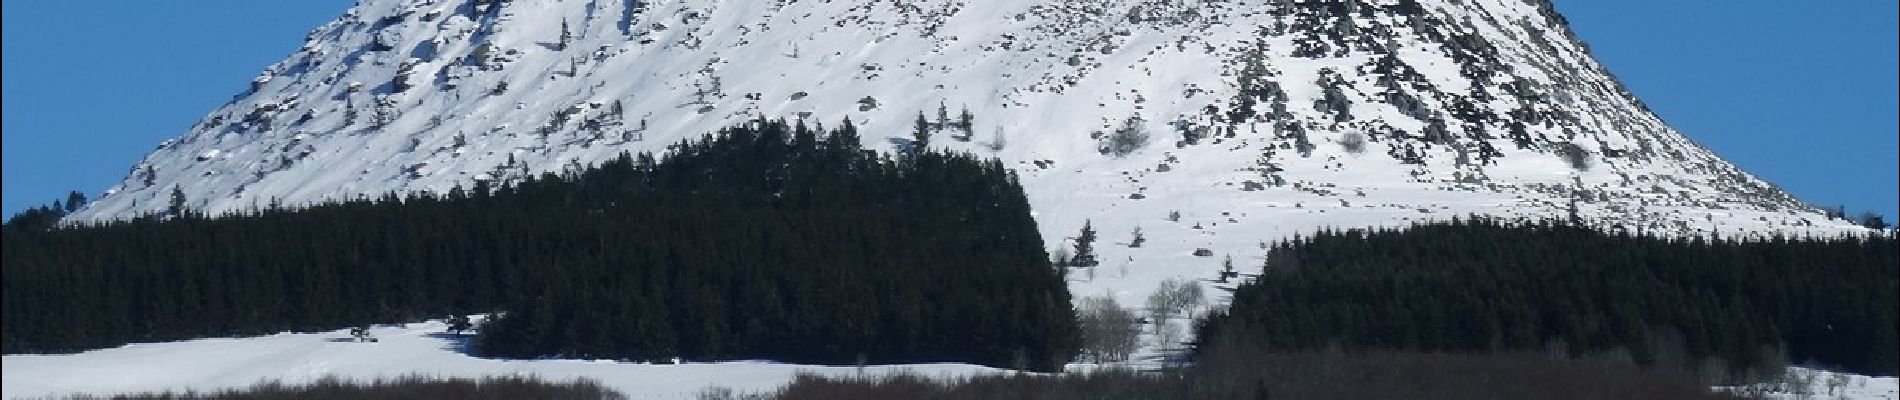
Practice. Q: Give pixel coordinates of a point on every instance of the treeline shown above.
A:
(766, 240)
(1727, 310)
(46, 216)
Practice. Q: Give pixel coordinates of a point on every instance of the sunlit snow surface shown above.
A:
(1802, 383)
(418, 348)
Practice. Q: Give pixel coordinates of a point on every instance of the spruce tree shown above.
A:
(967, 123)
(920, 139)
(566, 35)
(1227, 269)
(1085, 247)
(177, 206)
(943, 116)
(75, 200)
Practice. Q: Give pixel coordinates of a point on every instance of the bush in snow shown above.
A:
(1353, 142)
(1124, 140)
(1575, 155)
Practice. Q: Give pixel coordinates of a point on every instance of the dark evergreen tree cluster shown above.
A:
(1488, 286)
(761, 241)
(46, 216)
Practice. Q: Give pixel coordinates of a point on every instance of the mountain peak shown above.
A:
(1254, 119)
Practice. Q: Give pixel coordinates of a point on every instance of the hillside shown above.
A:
(1117, 111)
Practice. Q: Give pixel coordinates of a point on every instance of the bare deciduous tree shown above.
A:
(1108, 330)
(1174, 297)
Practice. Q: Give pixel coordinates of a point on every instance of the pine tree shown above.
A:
(1227, 269)
(75, 200)
(1085, 247)
(1138, 240)
(459, 323)
(943, 116)
(967, 122)
(177, 205)
(148, 175)
(920, 139)
(566, 35)
(1869, 219)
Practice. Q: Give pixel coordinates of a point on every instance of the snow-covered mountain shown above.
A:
(1252, 120)
(1215, 125)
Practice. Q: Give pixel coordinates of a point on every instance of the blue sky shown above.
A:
(1801, 95)
(86, 97)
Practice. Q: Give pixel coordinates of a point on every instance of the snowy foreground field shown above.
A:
(1807, 383)
(418, 348)
(423, 348)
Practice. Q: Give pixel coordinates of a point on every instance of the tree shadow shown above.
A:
(456, 342)
(1179, 354)
(902, 144)
(351, 340)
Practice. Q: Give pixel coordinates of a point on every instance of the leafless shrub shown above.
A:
(1315, 375)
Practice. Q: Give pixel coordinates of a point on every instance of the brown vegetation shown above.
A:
(1309, 375)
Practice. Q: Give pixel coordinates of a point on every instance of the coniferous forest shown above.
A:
(767, 240)
(1723, 309)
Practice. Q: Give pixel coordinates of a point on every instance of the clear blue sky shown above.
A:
(1799, 93)
(91, 86)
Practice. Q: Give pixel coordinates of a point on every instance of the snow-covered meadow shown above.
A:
(425, 348)
(417, 348)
